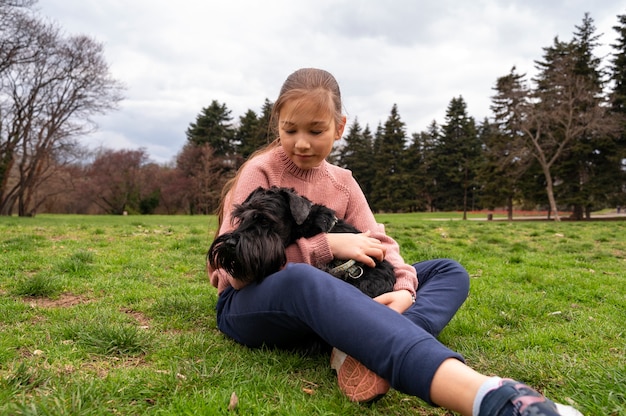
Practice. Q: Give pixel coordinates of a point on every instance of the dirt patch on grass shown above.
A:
(66, 300)
(142, 320)
(103, 367)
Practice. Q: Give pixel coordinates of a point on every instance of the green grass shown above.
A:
(106, 315)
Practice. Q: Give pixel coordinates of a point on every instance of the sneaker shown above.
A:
(516, 399)
(355, 380)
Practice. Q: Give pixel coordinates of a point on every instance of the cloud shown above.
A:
(176, 57)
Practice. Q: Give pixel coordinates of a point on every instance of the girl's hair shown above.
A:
(313, 83)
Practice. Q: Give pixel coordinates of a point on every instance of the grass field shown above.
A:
(105, 315)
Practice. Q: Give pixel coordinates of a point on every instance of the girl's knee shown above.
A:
(300, 276)
(447, 272)
(458, 272)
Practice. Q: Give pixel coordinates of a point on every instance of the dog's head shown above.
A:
(277, 209)
(247, 257)
(321, 219)
(266, 222)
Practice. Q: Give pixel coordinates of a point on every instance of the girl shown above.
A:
(390, 340)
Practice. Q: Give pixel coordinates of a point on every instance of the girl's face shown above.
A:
(307, 132)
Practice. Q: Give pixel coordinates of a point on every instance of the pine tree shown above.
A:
(456, 157)
(213, 126)
(246, 134)
(356, 155)
(210, 156)
(415, 161)
(428, 142)
(587, 170)
(618, 109)
(390, 185)
(505, 158)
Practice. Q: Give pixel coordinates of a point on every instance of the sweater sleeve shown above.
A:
(360, 215)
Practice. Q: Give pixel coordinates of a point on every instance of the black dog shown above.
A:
(271, 219)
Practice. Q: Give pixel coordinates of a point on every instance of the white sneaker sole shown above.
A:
(567, 410)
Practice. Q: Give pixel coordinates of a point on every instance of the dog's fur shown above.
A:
(270, 220)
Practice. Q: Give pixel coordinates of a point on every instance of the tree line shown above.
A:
(556, 141)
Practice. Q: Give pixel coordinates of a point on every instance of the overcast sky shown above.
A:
(175, 57)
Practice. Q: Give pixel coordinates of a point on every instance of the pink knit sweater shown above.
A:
(326, 184)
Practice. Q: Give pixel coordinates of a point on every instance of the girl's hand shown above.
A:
(399, 300)
(358, 247)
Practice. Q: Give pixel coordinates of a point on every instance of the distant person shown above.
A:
(390, 340)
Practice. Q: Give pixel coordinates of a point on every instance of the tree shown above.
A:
(505, 159)
(175, 191)
(17, 33)
(206, 175)
(116, 179)
(456, 157)
(22, 40)
(561, 107)
(210, 156)
(420, 161)
(588, 169)
(246, 135)
(414, 162)
(213, 127)
(390, 185)
(618, 109)
(356, 154)
(253, 131)
(50, 90)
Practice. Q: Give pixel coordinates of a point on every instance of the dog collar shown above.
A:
(349, 269)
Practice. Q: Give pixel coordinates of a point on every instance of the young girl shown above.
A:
(390, 340)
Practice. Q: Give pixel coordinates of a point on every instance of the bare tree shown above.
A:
(206, 173)
(114, 180)
(174, 186)
(17, 33)
(48, 95)
(21, 40)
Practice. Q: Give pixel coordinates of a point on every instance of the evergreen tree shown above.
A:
(210, 155)
(390, 185)
(415, 166)
(246, 135)
(456, 157)
(505, 159)
(587, 169)
(618, 109)
(258, 133)
(429, 141)
(265, 135)
(213, 126)
(618, 68)
(356, 155)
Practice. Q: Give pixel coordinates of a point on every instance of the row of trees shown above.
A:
(557, 141)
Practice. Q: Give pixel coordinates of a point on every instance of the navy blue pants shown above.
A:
(301, 303)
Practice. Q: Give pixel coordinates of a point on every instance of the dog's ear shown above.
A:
(299, 206)
(253, 194)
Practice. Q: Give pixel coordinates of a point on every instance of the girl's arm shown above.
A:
(360, 215)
